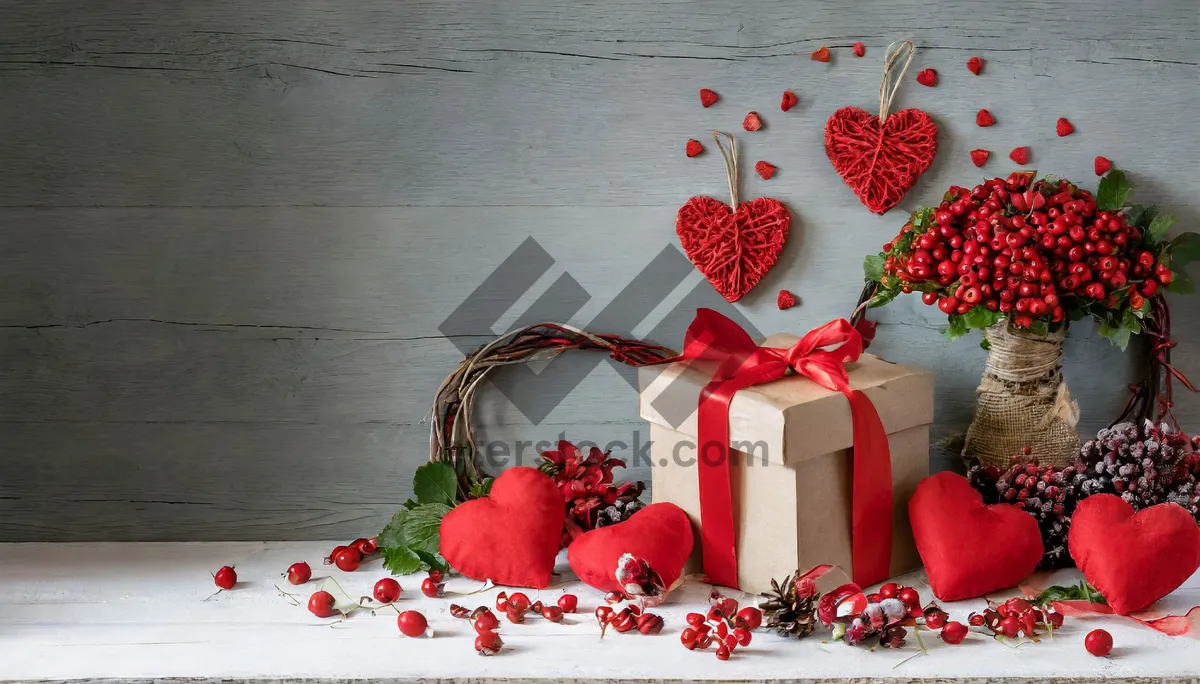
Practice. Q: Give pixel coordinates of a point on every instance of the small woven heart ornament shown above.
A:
(733, 245)
(881, 157)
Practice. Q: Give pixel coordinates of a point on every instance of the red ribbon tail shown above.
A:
(871, 520)
(717, 535)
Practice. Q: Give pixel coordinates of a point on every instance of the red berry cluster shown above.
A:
(724, 625)
(627, 619)
(1016, 617)
(882, 617)
(485, 622)
(1033, 250)
(586, 485)
(349, 557)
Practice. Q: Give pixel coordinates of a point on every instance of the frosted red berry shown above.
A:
(859, 49)
(752, 122)
(764, 169)
(225, 578)
(821, 54)
(1101, 165)
(693, 148)
(1020, 155)
(980, 157)
(984, 118)
(927, 77)
(789, 100)
(975, 65)
(707, 97)
(1063, 128)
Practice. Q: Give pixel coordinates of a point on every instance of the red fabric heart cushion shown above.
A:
(660, 534)
(970, 549)
(510, 536)
(1133, 559)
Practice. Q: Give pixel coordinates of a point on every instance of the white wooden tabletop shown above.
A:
(136, 613)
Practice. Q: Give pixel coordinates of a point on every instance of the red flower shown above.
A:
(586, 485)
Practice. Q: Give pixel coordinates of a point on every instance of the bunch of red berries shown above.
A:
(349, 557)
(1045, 492)
(486, 624)
(517, 606)
(882, 617)
(724, 625)
(1033, 250)
(1016, 617)
(586, 484)
(627, 619)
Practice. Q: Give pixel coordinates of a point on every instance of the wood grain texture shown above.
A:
(231, 233)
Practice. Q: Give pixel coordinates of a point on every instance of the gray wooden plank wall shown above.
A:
(230, 231)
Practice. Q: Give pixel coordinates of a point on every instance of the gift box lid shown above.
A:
(793, 418)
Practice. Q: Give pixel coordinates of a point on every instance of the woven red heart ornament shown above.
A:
(733, 248)
(881, 157)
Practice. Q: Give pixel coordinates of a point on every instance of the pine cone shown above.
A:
(618, 512)
(790, 610)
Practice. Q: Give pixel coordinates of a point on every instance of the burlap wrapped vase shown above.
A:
(1023, 401)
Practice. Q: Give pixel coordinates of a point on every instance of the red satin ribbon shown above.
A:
(1171, 625)
(819, 356)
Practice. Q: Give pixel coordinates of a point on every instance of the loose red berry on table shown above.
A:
(789, 100)
(955, 632)
(347, 559)
(502, 601)
(514, 615)
(1098, 642)
(412, 623)
(1101, 165)
(1063, 128)
(321, 604)
(225, 578)
(859, 49)
(689, 638)
(765, 169)
(333, 554)
(552, 613)
(975, 65)
(537, 607)
(935, 618)
(649, 623)
(488, 644)
(1020, 155)
(984, 118)
(751, 616)
(568, 602)
(693, 148)
(980, 157)
(927, 77)
(436, 575)
(821, 54)
(386, 590)
(752, 122)
(299, 573)
(723, 652)
(430, 588)
(707, 97)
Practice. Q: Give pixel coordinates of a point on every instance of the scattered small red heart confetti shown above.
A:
(752, 122)
(984, 118)
(975, 65)
(980, 157)
(1101, 165)
(785, 300)
(927, 77)
(859, 49)
(789, 100)
(1063, 127)
(694, 147)
(1020, 155)
(765, 169)
(707, 97)
(821, 54)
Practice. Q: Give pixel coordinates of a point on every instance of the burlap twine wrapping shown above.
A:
(1023, 401)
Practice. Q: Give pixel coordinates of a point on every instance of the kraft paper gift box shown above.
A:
(790, 460)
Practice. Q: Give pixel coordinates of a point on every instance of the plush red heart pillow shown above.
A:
(510, 536)
(659, 534)
(970, 549)
(1133, 559)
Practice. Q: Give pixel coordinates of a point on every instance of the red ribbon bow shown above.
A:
(819, 356)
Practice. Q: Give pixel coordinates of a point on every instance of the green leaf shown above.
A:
(985, 344)
(432, 561)
(436, 483)
(958, 327)
(1113, 190)
(1139, 215)
(1117, 334)
(981, 317)
(1159, 226)
(1039, 327)
(873, 267)
(884, 297)
(393, 532)
(1185, 249)
(421, 527)
(1181, 283)
(1072, 592)
(400, 560)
